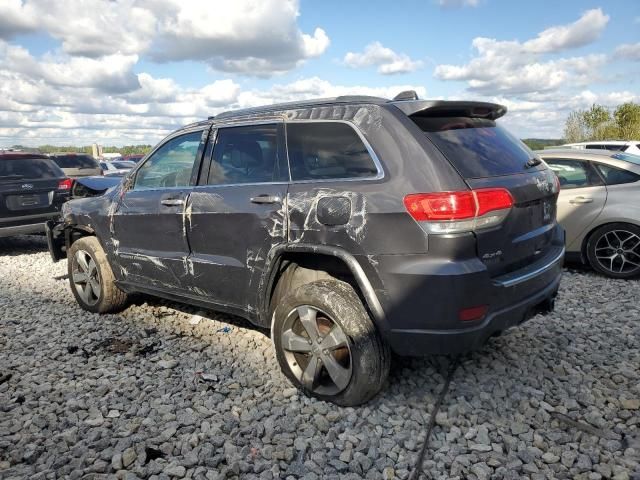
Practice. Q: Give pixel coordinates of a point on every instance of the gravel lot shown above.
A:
(167, 391)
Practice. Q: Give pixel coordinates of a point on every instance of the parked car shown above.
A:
(116, 167)
(135, 158)
(77, 164)
(599, 206)
(32, 191)
(373, 225)
(632, 146)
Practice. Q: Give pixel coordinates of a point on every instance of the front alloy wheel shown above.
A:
(85, 277)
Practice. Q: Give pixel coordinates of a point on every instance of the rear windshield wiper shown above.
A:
(532, 162)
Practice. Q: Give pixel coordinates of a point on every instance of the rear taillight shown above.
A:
(454, 212)
(65, 184)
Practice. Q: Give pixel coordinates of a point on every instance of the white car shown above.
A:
(599, 208)
(631, 146)
(117, 167)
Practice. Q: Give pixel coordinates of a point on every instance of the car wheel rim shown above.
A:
(86, 278)
(618, 251)
(316, 350)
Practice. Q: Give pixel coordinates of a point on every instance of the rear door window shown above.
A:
(28, 168)
(477, 147)
(616, 176)
(248, 154)
(574, 173)
(327, 150)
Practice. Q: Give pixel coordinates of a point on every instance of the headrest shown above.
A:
(246, 155)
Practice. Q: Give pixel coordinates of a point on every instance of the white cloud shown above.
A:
(512, 67)
(458, 3)
(387, 61)
(245, 36)
(628, 51)
(583, 31)
(75, 101)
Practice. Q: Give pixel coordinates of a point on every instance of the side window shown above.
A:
(248, 154)
(573, 173)
(326, 150)
(171, 165)
(616, 176)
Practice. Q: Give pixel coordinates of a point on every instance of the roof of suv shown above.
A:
(409, 107)
(12, 155)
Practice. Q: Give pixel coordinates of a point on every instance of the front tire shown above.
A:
(91, 278)
(614, 250)
(327, 345)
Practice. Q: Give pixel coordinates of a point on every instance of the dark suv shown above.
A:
(32, 191)
(351, 227)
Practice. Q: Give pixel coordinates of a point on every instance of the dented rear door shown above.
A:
(236, 213)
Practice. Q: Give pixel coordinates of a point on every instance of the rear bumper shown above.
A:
(424, 297)
(27, 225)
(456, 341)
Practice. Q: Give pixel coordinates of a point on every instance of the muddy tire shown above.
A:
(327, 345)
(91, 278)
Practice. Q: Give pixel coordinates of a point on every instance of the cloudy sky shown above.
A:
(130, 71)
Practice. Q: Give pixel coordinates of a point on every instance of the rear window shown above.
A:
(627, 157)
(476, 147)
(75, 161)
(327, 150)
(28, 168)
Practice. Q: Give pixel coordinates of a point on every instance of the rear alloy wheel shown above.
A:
(327, 345)
(91, 278)
(614, 250)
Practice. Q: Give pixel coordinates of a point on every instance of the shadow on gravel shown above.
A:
(22, 245)
(161, 307)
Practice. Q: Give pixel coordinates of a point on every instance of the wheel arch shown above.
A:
(325, 255)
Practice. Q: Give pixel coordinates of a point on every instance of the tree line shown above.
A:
(602, 123)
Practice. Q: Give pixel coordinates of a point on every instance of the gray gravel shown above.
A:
(167, 391)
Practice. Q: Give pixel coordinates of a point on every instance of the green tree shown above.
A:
(598, 123)
(627, 117)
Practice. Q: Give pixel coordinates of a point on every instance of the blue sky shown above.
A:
(144, 67)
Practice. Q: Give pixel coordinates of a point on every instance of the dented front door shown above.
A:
(148, 223)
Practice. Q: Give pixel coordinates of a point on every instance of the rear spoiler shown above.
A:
(445, 108)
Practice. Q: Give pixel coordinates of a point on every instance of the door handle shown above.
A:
(266, 199)
(172, 202)
(579, 200)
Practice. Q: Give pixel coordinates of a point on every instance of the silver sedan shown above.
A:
(599, 207)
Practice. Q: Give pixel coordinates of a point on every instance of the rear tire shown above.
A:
(91, 278)
(614, 250)
(327, 345)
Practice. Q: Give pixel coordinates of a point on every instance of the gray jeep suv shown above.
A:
(351, 227)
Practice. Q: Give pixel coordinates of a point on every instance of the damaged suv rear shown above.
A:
(351, 227)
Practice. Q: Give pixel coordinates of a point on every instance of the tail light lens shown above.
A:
(65, 184)
(455, 212)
